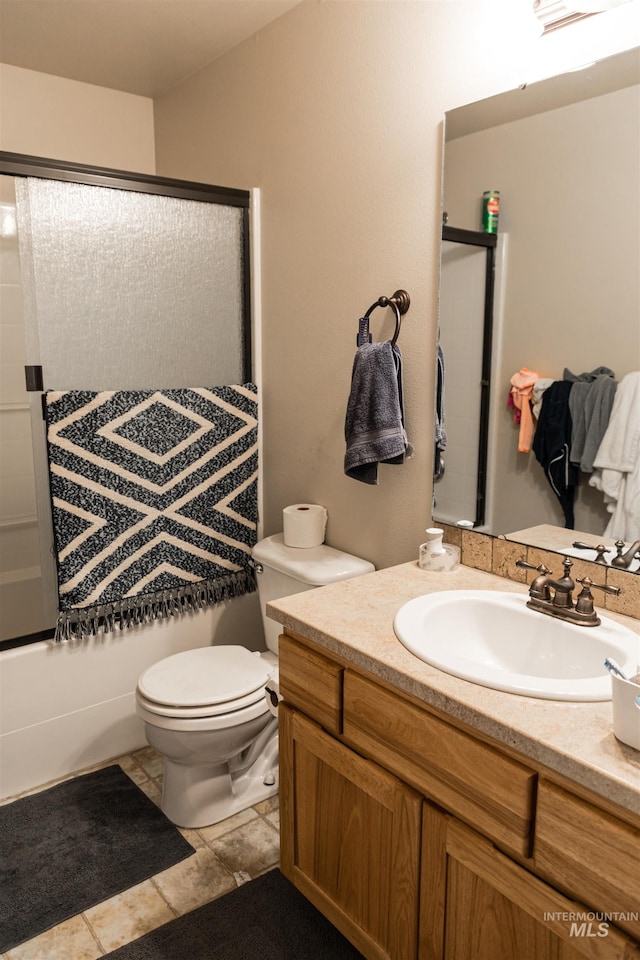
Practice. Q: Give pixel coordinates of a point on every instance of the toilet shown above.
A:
(211, 712)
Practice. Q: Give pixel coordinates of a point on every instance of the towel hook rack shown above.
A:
(400, 302)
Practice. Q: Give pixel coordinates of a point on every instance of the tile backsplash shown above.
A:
(498, 556)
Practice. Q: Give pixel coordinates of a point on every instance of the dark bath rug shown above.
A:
(74, 845)
(264, 919)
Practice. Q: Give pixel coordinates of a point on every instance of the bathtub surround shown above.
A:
(266, 919)
(154, 499)
(68, 848)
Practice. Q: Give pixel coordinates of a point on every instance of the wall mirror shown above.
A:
(564, 154)
(108, 281)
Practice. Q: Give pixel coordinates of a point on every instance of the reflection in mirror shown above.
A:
(564, 154)
(576, 543)
(466, 315)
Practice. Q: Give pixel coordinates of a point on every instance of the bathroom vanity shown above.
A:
(429, 817)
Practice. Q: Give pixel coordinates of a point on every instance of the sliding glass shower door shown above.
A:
(127, 283)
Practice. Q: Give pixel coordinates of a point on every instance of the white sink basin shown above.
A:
(495, 640)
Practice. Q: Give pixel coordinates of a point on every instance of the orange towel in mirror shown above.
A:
(521, 392)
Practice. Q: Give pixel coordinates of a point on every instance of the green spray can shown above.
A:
(490, 211)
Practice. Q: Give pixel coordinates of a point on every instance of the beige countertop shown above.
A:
(557, 538)
(354, 619)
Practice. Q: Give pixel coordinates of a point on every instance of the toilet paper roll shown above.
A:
(304, 524)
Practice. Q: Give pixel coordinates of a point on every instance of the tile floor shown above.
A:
(227, 854)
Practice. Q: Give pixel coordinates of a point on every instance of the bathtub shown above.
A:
(65, 707)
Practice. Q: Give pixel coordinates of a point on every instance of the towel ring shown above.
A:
(399, 301)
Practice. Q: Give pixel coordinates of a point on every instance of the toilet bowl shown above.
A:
(202, 710)
(207, 711)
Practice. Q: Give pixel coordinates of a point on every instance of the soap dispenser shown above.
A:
(437, 556)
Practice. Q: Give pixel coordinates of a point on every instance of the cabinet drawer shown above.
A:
(589, 853)
(470, 779)
(311, 682)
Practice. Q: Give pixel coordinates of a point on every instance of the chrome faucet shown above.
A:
(561, 603)
(624, 560)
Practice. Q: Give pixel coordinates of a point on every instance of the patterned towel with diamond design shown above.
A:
(154, 502)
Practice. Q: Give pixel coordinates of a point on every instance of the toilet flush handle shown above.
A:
(273, 696)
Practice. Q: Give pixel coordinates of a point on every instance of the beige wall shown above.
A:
(60, 119)
(335, 111)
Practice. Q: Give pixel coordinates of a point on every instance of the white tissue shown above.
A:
(304, 525)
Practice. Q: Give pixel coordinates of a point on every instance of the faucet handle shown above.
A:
(600, 550)
(587, 584)
(584, 601)
(531, 566)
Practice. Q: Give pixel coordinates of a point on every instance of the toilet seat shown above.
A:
(205, 682)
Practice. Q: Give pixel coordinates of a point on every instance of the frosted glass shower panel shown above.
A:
(461, 337)
(132, 290)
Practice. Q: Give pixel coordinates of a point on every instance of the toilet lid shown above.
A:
(205, 677)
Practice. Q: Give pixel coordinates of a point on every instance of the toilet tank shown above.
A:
(283, 571)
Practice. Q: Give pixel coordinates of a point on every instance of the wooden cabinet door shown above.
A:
(496, 910)
(350, 839)
(588, 853)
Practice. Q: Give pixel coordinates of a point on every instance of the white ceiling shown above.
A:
(139, 46)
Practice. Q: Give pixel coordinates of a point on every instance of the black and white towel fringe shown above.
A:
(154, 502)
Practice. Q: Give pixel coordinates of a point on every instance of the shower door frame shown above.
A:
(488, 242)
(24, 165)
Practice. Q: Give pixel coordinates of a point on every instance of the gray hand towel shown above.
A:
(590, 403)
(374, 423)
